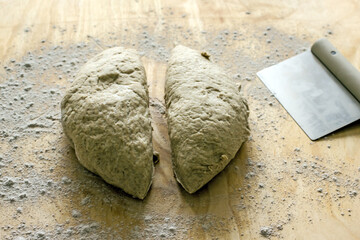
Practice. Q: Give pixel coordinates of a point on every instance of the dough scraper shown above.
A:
(319, 88)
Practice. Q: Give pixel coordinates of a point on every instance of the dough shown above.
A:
(105, 114)
(207, 117)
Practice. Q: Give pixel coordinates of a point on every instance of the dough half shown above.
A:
(206, 115)
(105, 114)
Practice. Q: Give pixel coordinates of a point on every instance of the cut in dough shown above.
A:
(207, 117)
(105, 114)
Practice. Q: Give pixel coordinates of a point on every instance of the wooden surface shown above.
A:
(279, 179)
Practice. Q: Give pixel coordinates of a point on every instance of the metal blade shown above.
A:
(314, 98)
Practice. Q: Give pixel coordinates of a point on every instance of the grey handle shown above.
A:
(346, 73)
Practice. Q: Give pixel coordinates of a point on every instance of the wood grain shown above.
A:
(271, 182)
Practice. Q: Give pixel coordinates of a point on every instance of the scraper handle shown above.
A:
(338, 65)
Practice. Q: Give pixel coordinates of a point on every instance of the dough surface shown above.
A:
(105, 114)
(207, 117)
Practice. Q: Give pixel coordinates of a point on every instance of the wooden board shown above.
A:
(279, 180)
